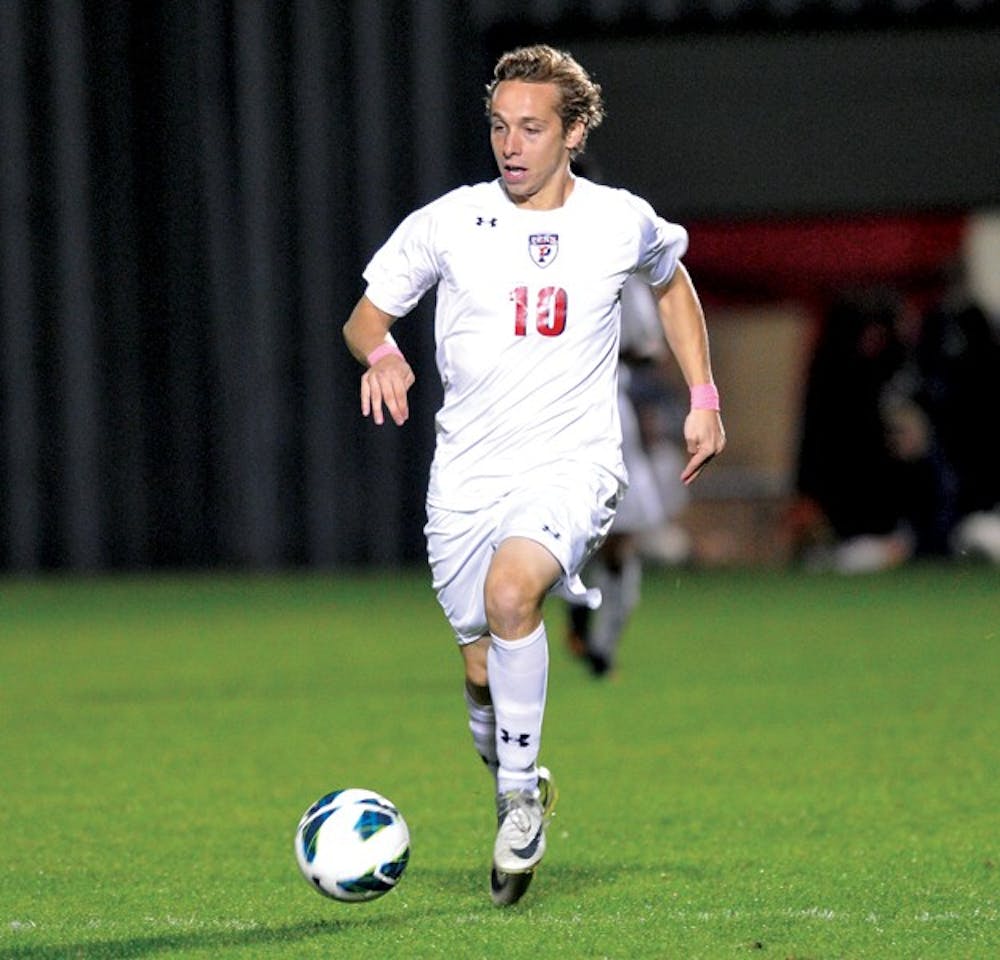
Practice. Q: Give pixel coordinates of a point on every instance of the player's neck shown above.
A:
(551, 196)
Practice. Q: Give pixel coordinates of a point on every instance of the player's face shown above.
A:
(531, 148)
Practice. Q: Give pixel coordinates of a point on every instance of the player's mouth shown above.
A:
(514, 174)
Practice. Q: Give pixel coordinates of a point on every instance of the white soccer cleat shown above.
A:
(520, 843)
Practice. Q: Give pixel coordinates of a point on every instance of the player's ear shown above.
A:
(574, 136)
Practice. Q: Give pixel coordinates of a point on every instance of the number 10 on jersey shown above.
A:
(549, 311)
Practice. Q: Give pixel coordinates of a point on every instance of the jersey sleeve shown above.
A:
(406, 266)
(661, 244)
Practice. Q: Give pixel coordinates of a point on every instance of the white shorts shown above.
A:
(568, 515)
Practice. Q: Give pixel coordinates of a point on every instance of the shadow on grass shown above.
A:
(551, 880)
(442, 885)
(169, 943)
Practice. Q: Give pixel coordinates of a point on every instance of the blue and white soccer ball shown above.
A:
(352, 845)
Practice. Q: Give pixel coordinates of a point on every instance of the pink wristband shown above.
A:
(704, 396)
(383, 350)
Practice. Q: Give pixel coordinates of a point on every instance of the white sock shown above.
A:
(518, 672)
(483, 725)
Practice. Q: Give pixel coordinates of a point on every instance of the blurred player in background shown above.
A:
(527, 470)
(616, 568)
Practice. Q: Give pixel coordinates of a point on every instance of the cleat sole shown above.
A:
(507, 888)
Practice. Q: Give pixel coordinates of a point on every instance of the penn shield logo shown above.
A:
(543, 248)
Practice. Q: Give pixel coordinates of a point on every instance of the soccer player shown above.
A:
(527, 471)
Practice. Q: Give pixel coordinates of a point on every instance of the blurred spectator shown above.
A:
(934, 409)
(892, 460)
(845, 480)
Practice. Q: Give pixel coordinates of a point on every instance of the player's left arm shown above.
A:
(684, 326)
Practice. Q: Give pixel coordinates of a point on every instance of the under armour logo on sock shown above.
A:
(521, 739)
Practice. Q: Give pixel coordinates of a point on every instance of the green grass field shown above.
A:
(786, 766)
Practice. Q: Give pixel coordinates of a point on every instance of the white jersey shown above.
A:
(527, 327)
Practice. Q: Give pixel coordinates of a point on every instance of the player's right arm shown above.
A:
(384, 383)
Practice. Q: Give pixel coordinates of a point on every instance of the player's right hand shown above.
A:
(384, 386)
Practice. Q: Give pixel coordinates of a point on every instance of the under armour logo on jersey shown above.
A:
(486, 221)
(543, 247)
(521, 739)
(552, 533)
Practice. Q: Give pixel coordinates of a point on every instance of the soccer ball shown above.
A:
(352, 845)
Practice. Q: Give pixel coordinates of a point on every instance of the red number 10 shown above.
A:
(550, 311)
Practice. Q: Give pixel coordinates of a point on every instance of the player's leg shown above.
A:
(578, 617)
(617, 572)
(570, 521)
(479, 704)
(519, 578)
(545, 537)
(505, 888)
(459, 549)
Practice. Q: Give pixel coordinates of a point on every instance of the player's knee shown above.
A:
(477, 680)
(518, 580)
(512, 606)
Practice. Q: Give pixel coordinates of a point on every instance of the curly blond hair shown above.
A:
(580, 95)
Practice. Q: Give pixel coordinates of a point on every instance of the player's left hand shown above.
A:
(705, 438)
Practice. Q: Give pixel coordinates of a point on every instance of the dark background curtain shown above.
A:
(189, 191)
